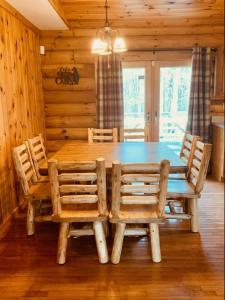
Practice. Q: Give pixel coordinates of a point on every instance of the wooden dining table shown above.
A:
(128, 152)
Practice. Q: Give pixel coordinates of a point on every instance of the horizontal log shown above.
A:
(77, 177)
(69, 96)
(79, 199)
(84, 84)
(81, 43)
(76, 109)
(70, 122)
(84, 70)
(67, 133)
(67, 57)
(153, 30)
(56, 145)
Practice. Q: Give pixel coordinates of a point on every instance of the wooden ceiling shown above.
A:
(143, 13)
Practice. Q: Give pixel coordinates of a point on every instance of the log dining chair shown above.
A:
(78, 192)
(138, 197)
(186, 154)
(133, 134)
(36, 193)
(38, 154)
(187, 192)
(102, 135)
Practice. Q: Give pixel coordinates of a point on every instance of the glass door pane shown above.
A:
(174, 102)
(134, 91)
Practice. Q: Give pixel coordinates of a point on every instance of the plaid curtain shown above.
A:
(199, 116)
(109, 92)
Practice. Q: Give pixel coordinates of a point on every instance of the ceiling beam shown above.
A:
(58, 8)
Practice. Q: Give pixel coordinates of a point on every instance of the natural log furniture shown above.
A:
(217, 161)
(102, 135)
(132, 134)
(38, 153)
(131, 152)
(189, 190)
(36, 193)
(78, 191)
(138, 197)
(186, 153)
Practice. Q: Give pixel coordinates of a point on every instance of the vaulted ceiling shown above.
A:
(143, 13)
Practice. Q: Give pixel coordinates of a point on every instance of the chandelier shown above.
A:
(108, 40)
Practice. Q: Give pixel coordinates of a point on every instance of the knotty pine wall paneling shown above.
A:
(21, 98)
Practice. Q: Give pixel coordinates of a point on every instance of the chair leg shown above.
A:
(118, 243)
(155, 242)
(101, 242)
(194, 215)
(62, 243)
(30, 219)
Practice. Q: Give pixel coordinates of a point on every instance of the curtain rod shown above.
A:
(164, 49)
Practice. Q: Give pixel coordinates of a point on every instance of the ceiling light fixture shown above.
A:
(108, 40)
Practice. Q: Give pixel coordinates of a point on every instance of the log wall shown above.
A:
(70, 110)
(21, 98)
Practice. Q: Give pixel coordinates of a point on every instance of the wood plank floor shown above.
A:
(192, 266)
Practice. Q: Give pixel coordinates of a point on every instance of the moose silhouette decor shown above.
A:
(67, 76)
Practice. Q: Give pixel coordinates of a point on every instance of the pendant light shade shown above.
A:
(119, 45)
(107, 40)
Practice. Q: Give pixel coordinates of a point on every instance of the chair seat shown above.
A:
(79, 216)
(40, 191)
(177, 177)
(180, 189)
(137, 214)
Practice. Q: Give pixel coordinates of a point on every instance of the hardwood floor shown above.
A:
(192, 266)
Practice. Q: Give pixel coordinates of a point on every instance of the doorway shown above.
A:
(156, 96)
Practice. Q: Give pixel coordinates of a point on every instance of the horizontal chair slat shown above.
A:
(134, 130)
(102, 138)
(26, 166)
(196, 163)
(29, 174)
(102, 131)
(37, 148)
(134, 168)
(185, 160)
(189, 137)
(40, 156)
(77, 177)
(187, 145)
(129, 189)
(134, 136)
(35, 139)
(140, 178)
(82, 188)
(194, 171)
(72, 166)
(200, 145)
(198, 154)
(139, 200)
(24, 157)
(79, 199)
(186, 153)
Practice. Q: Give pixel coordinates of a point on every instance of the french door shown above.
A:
(137, 95)
(156, 96)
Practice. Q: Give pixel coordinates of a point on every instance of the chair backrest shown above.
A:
(24, 167)
(139, 184)
(188, 148)
(133, 134)
(38, 152)
(102, 135)
(78, 183)
(199, 165)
